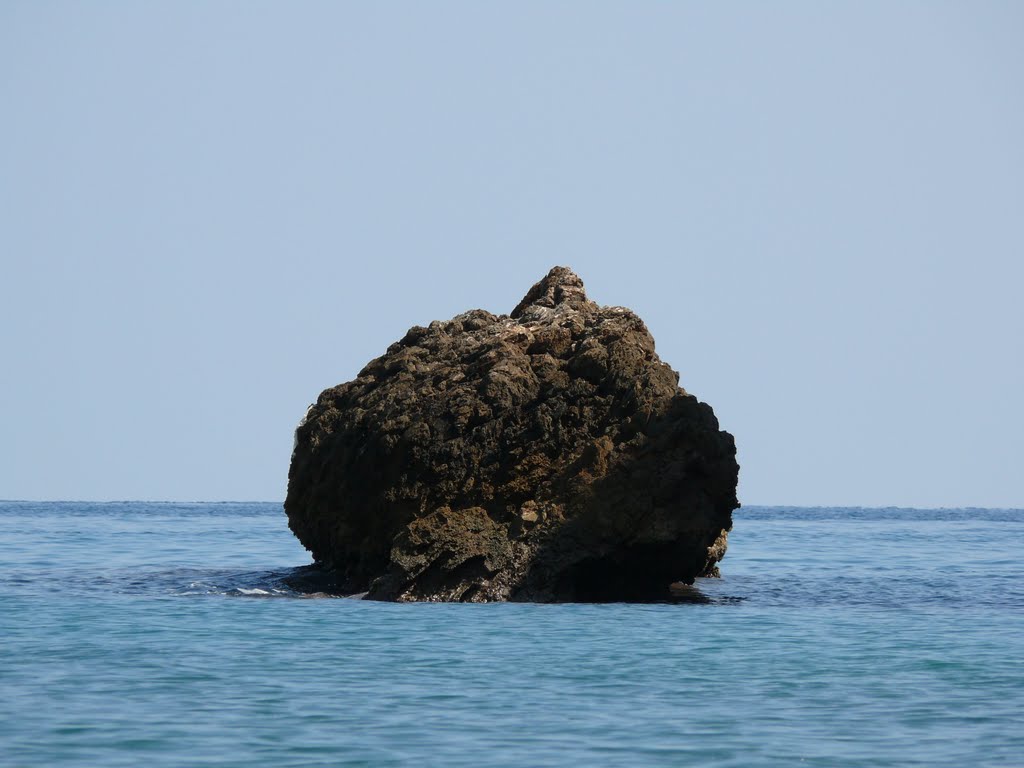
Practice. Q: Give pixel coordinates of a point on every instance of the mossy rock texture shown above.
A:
(545, 455)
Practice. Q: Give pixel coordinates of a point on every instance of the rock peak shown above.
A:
(560, 286)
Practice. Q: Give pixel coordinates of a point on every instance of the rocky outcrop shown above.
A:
(546, 455)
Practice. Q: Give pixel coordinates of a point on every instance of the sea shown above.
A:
(162, 634)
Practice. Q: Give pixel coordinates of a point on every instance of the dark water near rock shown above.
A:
(163, 635)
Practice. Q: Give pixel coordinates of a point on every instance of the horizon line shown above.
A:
(281, 502)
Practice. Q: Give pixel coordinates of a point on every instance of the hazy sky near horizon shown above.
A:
(209, 212)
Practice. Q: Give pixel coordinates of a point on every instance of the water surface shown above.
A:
(161, 634)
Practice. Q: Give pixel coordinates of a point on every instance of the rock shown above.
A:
(546, 455)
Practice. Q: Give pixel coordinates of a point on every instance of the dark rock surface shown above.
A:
(546, 455)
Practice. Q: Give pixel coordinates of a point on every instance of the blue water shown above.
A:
(161, 635)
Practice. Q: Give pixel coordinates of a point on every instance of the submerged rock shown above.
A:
(546, 455)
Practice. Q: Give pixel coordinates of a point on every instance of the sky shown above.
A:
(211, 211)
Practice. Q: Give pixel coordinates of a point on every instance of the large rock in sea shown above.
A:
(546, 455)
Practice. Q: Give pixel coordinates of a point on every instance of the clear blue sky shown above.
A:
(210, 211)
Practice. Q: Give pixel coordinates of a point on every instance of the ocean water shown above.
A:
(161, 635)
